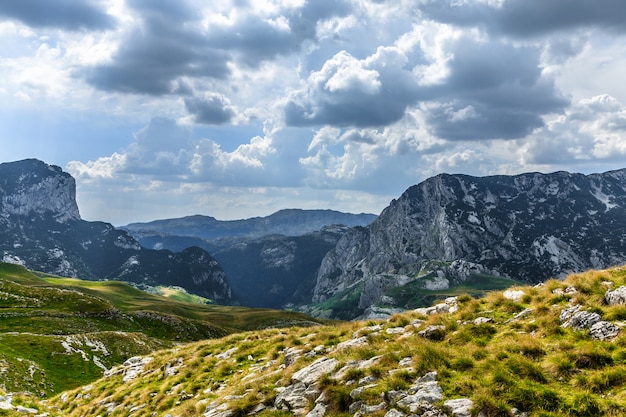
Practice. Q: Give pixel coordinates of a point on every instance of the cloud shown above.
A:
(589, 133)
(493, 90)
(529, 18)
(165, 151)
(212, 109)
(156, 57)
(347, 91)
(172, 42)
(59, 14)
(259, 35)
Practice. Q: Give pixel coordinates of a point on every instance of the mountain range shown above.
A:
(447, 234)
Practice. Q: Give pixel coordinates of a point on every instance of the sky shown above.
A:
(237, 108)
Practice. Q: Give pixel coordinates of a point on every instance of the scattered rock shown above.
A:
(25, 410)
(395, 413)
(218, 410)
(172, 367)
(616, 297)
(582, 320)
(368, 329)
(293, 398)
(514, 295)
(6, 402)
(406, 362)
(567, 313)
(433, 332)
(359, 341)
(315, 371)
(566, 291)
(394, 330)
(449, 305)
(227, 354)
(130, 369)
(603, 330)
(358, 391)
(523, 314)
(482, 320)
(460, 407)
(291, 355)
(425, 389)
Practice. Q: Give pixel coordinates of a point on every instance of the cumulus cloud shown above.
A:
(212, 109)
(61, 14)
(589, 133)
(346, 91)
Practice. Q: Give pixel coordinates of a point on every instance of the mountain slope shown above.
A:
(57, 333)
(552, 350)
(42, 230)
(289, 222)
(453, 227)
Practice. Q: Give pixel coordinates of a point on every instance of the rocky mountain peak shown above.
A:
(31, 187)
(529, 227)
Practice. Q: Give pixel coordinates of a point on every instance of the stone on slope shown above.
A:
(603, 330)
(616, 297)
(460, 407)
(312, 373)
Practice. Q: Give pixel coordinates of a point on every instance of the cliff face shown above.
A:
(42, 230)
(448, 228)
(31, 188)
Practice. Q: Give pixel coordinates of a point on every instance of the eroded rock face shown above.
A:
(451, 227)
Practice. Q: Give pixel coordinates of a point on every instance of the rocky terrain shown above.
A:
(453, 228)
(553, 349)
(42, 230)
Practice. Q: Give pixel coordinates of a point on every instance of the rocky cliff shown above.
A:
(42, 230)
(454, 227)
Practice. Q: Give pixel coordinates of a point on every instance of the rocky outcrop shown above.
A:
(452, 227)
(42, 230)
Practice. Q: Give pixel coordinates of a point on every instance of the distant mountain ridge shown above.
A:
(450, 228)
(288, 222)
(42, 230)
(270, 261)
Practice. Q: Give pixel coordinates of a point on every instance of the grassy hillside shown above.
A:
(59, 333)
(508, 353)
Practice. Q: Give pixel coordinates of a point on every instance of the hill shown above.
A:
(555, 349)
(58, 333)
